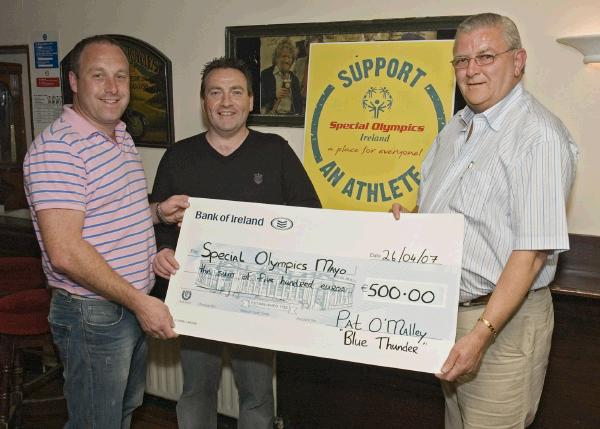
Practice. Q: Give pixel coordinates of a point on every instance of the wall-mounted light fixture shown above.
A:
(589, 46)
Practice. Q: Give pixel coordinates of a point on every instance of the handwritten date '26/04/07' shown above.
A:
(406, 255)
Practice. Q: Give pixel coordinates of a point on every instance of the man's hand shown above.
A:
(282, 93)
(165, 263)
(466, 355)
(397, 209)
(511, 289)
(154, 317)
(172, 209)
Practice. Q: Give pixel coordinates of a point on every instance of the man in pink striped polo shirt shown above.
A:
(87, 192)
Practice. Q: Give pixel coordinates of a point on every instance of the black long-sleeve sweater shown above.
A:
(264, 169)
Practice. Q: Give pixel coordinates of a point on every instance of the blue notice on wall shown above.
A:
(46, 55)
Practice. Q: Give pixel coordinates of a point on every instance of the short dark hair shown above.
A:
(75, 54)
(226, 63)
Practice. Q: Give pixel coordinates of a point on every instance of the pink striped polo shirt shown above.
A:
(72, 165)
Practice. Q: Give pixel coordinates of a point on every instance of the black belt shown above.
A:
(480, 300)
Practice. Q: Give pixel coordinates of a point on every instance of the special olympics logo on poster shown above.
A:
(372, 119)
(377, 100)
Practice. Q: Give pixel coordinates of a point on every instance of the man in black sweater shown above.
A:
(229, 162)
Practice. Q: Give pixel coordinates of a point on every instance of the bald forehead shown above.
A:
(97, 49)
(485, 35)
(95, 45)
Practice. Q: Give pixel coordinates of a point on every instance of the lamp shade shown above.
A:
(589, 46)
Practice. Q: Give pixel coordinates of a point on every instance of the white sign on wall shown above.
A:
(46, 95)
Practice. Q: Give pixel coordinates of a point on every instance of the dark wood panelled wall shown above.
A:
(330, 394)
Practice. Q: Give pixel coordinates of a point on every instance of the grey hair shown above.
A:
(284, 44)
(510, 33)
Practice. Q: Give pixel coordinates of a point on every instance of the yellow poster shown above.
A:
(373, 110)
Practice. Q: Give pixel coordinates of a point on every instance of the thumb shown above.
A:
(450, 362)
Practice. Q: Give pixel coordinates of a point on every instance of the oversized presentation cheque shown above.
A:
(355, 286)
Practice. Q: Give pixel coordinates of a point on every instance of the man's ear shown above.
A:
(251, 101)
(520, 59)
(73, 81)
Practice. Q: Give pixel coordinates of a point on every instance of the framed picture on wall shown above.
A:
(149, 116)
(278, 57)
